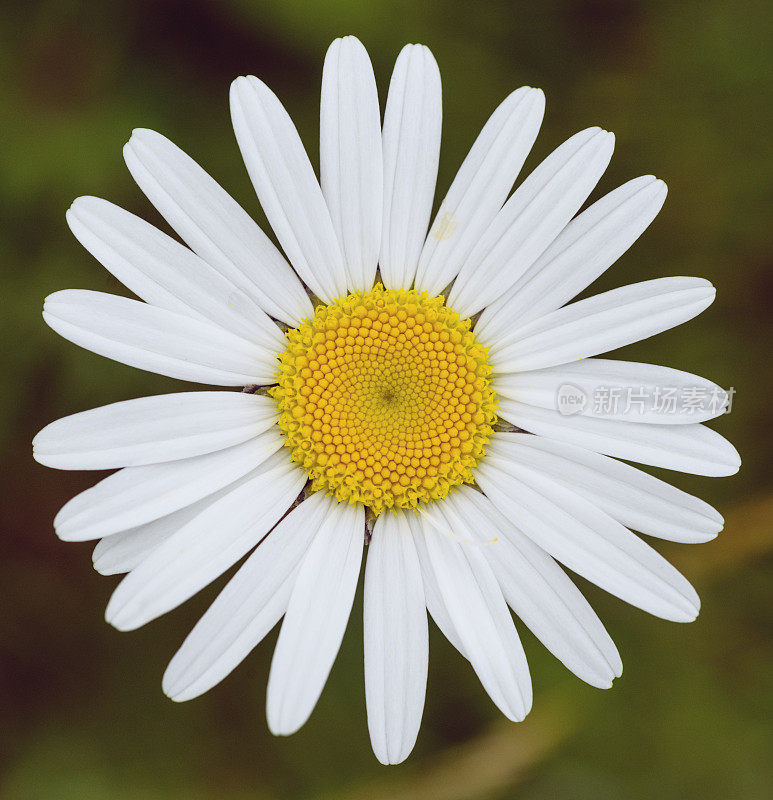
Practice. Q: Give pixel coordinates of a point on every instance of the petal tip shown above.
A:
(120, 620)
(64, 528)
(100, 567)
(170, 686)
(40, 437)
(71, 211)
(143, 138)
(691, 616)
(282, 727)
(238, 84)
(389, 760)
(716, 518)
(41, 458)
(689, 609)
(143, 133)
(350, 40)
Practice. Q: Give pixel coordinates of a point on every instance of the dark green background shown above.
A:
(686, 88)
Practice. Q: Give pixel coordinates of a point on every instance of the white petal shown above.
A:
(350, 160)
(531, 219)
(205, 547)
(166, 274)
(590, 542)
(316, 618)
(215, 226)
(122, 552)
(540, 592)
(587, 246)
(248, 607)
(480, 187)
(686, 448)
(624, 390)
(411, 140)
(601, 323)
(157, 340)
(474, 602)
(287, 187)
(152, 430)
(638, 500)
(396, 639)
(435, 605)
(136, 495)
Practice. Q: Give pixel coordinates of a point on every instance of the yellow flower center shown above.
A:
(384, 398)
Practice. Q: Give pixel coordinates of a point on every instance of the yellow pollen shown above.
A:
(384, 398)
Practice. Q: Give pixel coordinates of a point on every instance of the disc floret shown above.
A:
(385, 398)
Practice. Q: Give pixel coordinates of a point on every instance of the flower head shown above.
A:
(415, 371)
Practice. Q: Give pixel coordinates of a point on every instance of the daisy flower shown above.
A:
(401, 384)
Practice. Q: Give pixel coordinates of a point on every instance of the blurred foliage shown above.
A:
(686, 87)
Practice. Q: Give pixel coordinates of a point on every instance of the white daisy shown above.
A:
(385, 400)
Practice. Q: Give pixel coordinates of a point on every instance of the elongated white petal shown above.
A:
(157, 340)
(152, 430)
(586, 247)
(122, 552)
(350, 159)
(215, 226)
(686, 448)
(205, 547)
(136, 495)
(480, 187)
(470, 592)
(287, 187)
(623, 390)
(432, 597)
(396, 639)
(411, 141)
(531, 219)
(589, 542)
(540, 592)
(627, 494)
(601, 323)
(249, 606)
(166, 274)
(316, 619)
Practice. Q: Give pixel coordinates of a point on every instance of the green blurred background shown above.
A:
(687, 89)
